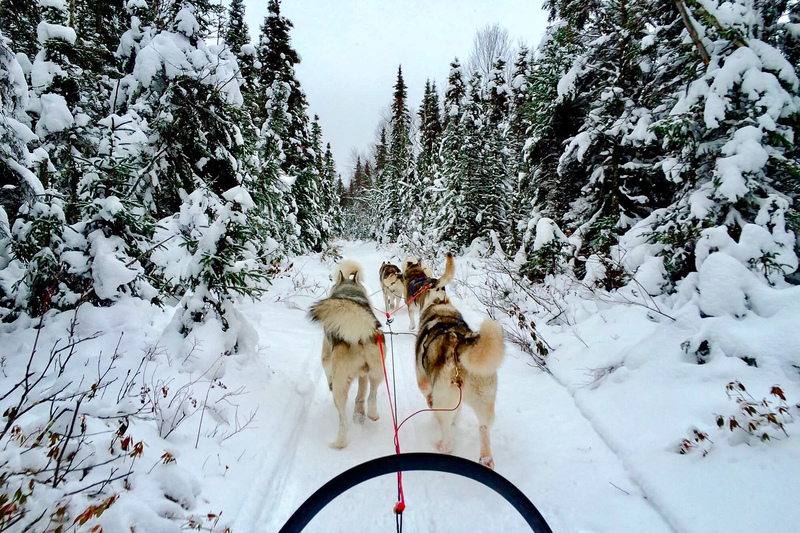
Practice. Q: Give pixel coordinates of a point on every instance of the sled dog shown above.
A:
(450, 354)
(350, 345)
(392, 285)
(416, 277)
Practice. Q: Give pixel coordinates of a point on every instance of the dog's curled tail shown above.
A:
(486, 354)
(345, 269)
(346, 320)
(449, 272)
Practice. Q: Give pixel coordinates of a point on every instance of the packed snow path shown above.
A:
(540, 439)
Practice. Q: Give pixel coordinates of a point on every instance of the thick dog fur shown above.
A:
(392, 285)
(416, 277)
(449, 351)
(350, 346)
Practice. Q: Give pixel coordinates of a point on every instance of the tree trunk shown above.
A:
(701, 49)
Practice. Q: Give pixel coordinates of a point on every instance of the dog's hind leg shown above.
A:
(411, 324)
(485, 412)
(358, 413)
(445, 396)
(341, 383)
(372, 401)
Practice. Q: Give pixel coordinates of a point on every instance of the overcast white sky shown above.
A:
(350, 51)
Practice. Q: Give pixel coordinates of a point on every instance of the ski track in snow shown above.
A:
(541, 441)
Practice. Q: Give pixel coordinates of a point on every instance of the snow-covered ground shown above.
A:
(593, 445)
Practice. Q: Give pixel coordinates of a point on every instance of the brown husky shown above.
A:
(350, 347)
(392, 285)
(416, 278)
(449, 355)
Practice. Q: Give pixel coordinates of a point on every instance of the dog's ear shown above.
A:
(356, 277)
(341, 277)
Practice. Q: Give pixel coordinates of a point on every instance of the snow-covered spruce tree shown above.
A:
(449, 178)
(381, 158)
(332, 194)
(519, 124)
(63, 111)
(614, 151)
(203, 163)
(237, 38)
(31, 218)
(277, 81)
(731, 147)
(493, 187)
(99, 26)
(467, 173)
(396, 193)
(17, 182)
(236, 33)
(430, 132)
(18, 18)
(555, 116)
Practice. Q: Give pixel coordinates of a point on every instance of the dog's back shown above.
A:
(346, 315)
(444, 337)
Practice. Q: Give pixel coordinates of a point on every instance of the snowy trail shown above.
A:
(541, 441)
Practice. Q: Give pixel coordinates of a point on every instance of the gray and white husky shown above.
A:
(350, 346)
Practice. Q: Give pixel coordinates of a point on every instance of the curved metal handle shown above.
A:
(406, 462)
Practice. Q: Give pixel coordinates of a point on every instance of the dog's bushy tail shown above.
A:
(345, 319)
(486, 354)
(345, 269)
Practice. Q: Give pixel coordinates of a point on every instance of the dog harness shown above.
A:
(417, 283)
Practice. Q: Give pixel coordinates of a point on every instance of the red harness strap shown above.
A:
(389, 315)
(401, 504)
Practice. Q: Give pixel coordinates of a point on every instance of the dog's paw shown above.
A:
(487, 461)
(374, 416)
(445, 446)
(359, 417)
(338, 444)
(429, 399)
(412, 327)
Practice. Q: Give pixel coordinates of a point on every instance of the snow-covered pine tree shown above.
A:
(237, 38)
(18, 18)
(202, 162)
(397, 195)
(519, 123)
(730, 146)
(17, 181)
(555, 117)
(449, 178)
(331, 184)
(279, 90)
(497, 167)
(429, 132)
(611, 155)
